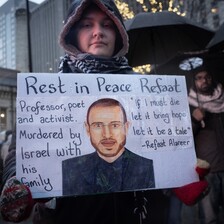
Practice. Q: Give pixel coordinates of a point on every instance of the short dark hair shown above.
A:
(201, 69)
(106, 102)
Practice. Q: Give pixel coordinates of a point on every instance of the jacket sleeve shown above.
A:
(9, 169)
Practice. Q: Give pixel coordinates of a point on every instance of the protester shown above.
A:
(95, 41)
(206, 98)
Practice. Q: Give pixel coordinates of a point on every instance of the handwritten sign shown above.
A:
(51, 115)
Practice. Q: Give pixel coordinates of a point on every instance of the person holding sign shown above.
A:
(206, 99)
(95, 41)
(112, 167)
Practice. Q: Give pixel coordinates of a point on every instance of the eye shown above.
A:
(97, 125)
(85, 24)
(116, 125)
(108, 24)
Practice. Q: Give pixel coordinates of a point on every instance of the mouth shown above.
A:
(108, 142)
(205, 86)
(98, 43)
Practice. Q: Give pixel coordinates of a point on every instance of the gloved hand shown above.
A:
(16, 201)
(191, 193)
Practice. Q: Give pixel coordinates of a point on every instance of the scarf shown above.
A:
(212, 103)
(86, 63)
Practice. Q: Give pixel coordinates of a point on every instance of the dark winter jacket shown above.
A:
(209, 140)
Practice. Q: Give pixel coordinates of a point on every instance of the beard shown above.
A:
(206, 90)
(108, 152)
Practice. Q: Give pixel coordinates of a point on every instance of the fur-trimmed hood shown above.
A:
(75, 13)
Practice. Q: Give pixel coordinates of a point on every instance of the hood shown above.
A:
(75, 12)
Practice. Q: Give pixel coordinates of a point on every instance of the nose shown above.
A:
(206, 80)
(106, 131)
(98, 30)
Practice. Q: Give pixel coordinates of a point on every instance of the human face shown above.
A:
(203, 82)
(96, 34)
(107, 131)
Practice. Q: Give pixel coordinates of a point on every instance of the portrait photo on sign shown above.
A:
(112, 167)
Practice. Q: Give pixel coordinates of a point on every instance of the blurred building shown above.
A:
(7, 98)
(13, 35)
(13, 56)
(46, 22)
(206, 12)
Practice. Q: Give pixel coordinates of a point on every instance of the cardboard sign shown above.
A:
(57, 156)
